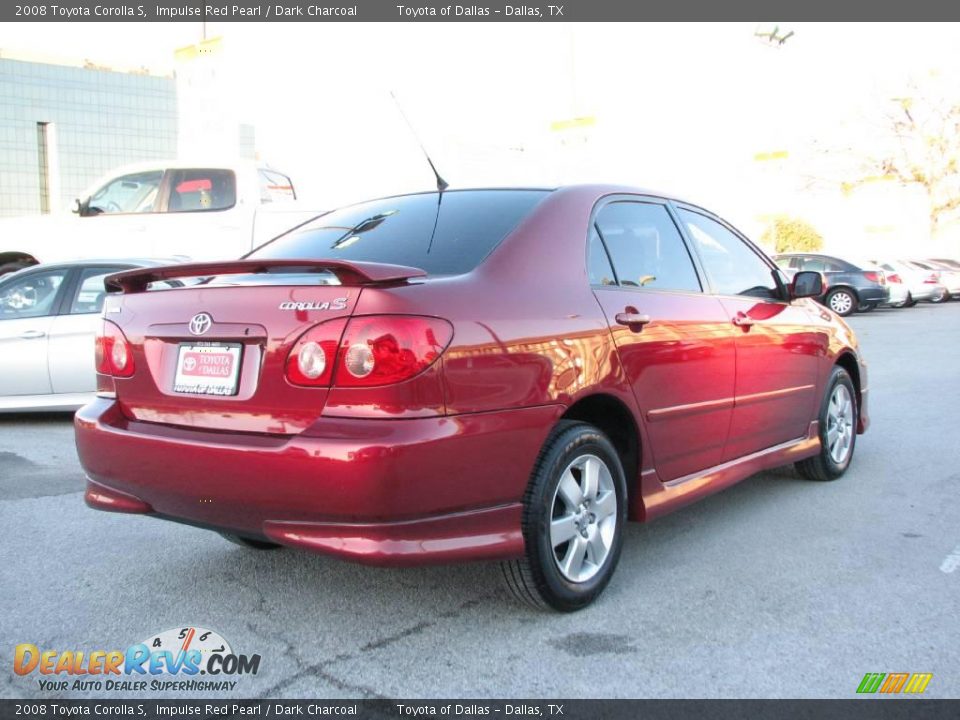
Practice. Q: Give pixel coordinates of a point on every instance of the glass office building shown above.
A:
(63, 126)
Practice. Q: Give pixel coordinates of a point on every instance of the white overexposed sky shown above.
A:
(678, 107)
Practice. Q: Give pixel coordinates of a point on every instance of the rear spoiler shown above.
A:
(349, 273)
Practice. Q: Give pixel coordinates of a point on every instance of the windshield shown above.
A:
(407, 230)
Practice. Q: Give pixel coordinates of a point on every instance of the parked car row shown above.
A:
(850, 287)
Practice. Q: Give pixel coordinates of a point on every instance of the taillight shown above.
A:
(114, 355)
(894, 278)
(386, 349)
(932, 279)
(873, 276)
(371, 351)
(311, 360)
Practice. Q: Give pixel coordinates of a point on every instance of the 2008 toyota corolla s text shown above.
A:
(474, 374)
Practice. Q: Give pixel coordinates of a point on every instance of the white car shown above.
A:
(49, 315)
(201, 210)
(920, 285)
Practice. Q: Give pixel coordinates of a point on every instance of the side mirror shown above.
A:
(806, 283)
(77, 207)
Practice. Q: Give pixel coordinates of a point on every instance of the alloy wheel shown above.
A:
(840, 424)
(583, 518)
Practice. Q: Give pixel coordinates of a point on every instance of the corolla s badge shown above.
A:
(335, 304)
(200, 323)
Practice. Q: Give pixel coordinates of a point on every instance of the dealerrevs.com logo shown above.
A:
(181, 659)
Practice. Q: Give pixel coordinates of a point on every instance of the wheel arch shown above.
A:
(848, 361)
(616, 420)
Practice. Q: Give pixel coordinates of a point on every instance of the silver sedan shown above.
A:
(49, 316)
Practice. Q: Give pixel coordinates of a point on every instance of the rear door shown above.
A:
(71, 354)
(675, 341)
(27, 306)
(778, 349)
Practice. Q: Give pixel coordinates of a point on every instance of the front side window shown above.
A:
(32, 296)
(197, 190)
(646, 247)
(134, 193)
(732, 266)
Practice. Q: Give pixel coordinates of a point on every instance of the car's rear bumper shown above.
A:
(378, 491)
(873, 295)
(926, 291)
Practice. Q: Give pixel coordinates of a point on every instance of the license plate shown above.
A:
(207, 369)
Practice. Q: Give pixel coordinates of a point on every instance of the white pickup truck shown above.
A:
(198, 210)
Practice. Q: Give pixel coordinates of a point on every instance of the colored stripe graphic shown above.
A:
(894, 683)
(871, 682)
(918, 682)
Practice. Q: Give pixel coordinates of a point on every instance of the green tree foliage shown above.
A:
(787, 234)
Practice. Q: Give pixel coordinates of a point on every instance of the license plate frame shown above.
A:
(214, 382)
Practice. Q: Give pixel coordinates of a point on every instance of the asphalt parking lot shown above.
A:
(778, 587)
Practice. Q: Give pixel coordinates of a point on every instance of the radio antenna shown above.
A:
(441, 183)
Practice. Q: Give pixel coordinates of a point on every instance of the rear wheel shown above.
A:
(910, 302)
(837, 428)
(574, 512)
(866, 307)
(940, 297)
(248, 542)
(842, 302)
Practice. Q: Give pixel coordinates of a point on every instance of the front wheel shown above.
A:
(842, 302)
(866, 307)
(574, 511)
(837, 428)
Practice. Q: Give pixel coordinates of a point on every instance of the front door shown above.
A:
(675, 341)
(27, 305)
(778, 350)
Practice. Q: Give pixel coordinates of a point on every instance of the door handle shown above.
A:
(32, 334)
(743, 320)
(633, 320)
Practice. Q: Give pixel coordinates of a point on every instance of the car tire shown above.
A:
(910, 302)
(837, 428)
(574, 511)
(940, 297)
(249, 542)
(842, 302)
(866, 307)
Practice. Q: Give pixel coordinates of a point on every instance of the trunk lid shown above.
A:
(246, 315)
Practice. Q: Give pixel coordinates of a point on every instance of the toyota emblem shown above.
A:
(200, 323)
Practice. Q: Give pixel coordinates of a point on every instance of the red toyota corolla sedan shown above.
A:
(477, 374)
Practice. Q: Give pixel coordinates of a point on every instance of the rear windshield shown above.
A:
(407, 230)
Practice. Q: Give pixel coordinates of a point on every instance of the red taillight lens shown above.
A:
(874, 276)
(894, 278)
(311, 360)
(385, 349)
(932, 279)
(114, 355)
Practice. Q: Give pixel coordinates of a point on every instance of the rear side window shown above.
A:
(408, 230)
(197, 190)
(275, 186)
(90, 291)
(646, 247)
